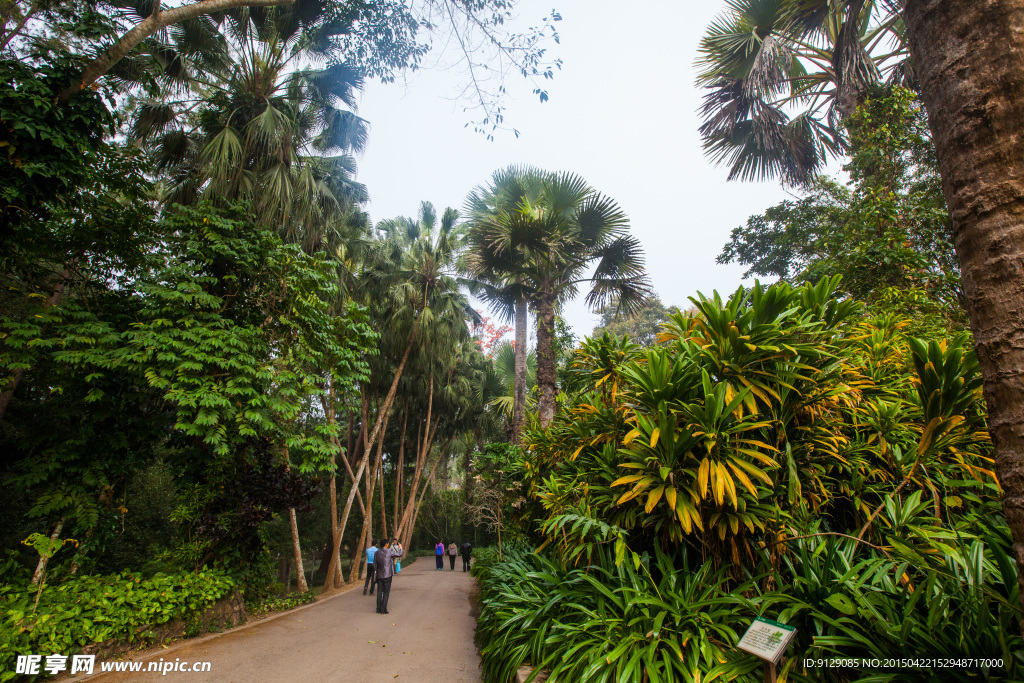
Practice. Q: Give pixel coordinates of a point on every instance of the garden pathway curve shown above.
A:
(428, 636)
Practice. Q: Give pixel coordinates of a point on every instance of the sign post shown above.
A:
(767, 639)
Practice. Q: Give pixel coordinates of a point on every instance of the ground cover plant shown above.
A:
(92, 610)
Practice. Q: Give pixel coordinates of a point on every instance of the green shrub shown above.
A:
(121, 608)
(277, 603)
(617, 623)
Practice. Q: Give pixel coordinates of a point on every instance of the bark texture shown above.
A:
(519, 379)
(969, 57)
(297, 551)
(547, 365)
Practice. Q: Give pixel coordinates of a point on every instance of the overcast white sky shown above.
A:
(622, 114)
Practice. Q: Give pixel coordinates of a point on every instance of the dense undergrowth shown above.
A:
(88, 610)
(781, 453)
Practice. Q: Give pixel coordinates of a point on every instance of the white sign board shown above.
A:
(766, 639)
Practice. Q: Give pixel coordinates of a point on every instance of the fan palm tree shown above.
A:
(505, 292)
(782, 75)
(255, 116)
(538, 234)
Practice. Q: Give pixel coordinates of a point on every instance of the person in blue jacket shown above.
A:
(370, 554)
(439, 555)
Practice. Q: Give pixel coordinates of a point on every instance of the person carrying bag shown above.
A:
(384, 563)
(453, 552)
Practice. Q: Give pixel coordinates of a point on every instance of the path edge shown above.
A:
(163, 650)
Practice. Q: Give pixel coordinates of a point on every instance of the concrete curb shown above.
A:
(162, 651)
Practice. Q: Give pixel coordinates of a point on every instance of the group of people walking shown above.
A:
(452, 551)
(381, 565)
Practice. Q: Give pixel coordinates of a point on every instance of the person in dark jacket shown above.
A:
(384, 567)
(466, 551)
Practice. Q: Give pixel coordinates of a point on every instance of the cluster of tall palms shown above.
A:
(258, 107)
(535, 238)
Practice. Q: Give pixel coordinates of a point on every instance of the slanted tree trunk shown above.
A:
(353, 494)
(156, 21)
(969, 58)
(297, 551)
(547, 364)
(378, 466)
(296, 547)
(37, 575)
(400, 471)
(421, 459)
(419, 503)
(519, 378)
(333, 577)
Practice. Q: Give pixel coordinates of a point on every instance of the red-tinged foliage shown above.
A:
(488, 334)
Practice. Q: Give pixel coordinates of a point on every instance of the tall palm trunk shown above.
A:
(383, 511)
(969, 57)
(519, 379)
(400, 470)
(421, 458)
(547, 365)
(333, 577)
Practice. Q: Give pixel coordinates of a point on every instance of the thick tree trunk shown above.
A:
(519, 378)
(547, 364)
(297, 551)
(969, 57)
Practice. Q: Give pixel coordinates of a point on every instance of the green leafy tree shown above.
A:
(216, 358)
(642, 327)
(888, 234)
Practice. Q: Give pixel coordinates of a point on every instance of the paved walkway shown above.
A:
(428, 636)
